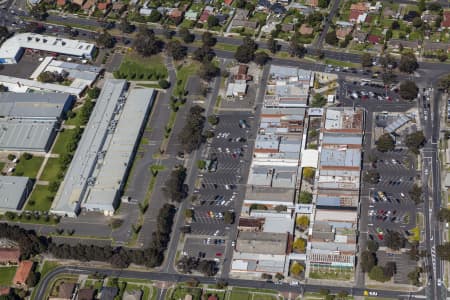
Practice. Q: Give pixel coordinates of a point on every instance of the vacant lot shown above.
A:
(135, 67)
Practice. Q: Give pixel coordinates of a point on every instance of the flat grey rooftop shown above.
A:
(11, 191)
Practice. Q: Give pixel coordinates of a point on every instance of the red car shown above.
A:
(218, 254)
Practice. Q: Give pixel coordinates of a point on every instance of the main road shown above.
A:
(176, 278)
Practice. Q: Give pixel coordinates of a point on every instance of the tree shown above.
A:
(203, 54)
(390, 269)
(126, 26)
(33, 279)
(331, 38)
(208, 39)
(246, 52)
(309, 173)
(261, 58)
(146, 42)
(106, 40)
(305, 197)
(176, 50)
(212, 21)
(414, 276)
(443, 251)
(228, 217)
(155, 16)
(416, 194)
(444, 82)
(94, 92)
(414, 141)
(296, 49)
(3, 88)
(27, 156)
(319, 101)
(324, 3)
(444, 215)
(38, 12)
(207, 267)
(377, 273)
(368, 261)
(186, 35)
(388, 34)
(213, 119)
(388, 77)
(421, 6)
(53, 186)
(372, 246)
(394, 240)
(408, 63)
(4, 33)
(417, 22)
(174, 186)
(296, 268)
(208, 71)
(371, 176)
(395, 25)
(164, 84)
(191, 135)
(302, 222)
(366, 60)
(299, 245)
(11, 157)
(272, 45)
(385, 143)
(408, 90)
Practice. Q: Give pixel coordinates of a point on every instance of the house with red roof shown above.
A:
(5, 291)
(60, 3)
(22, 273)
(228, 2)
(446, 19)
(103, 6)
(373, 39)
(207, 11)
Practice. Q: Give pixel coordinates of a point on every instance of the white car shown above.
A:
(439, 282)
(373, 293)
(403, 195)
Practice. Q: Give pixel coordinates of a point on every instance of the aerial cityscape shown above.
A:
(224, 149)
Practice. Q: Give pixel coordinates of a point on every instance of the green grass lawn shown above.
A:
(48, 266)
(238, 295)
(40, 198)
(180, 292)
(183, 74)
(2, 165)
(28, 168)
(62, 140)
(51, 170)
(339, 63)
(136, 67)
(7, 275)
(76, 120)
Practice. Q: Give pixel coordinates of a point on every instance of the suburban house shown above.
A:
(342, 32)
(359, 36)
(446, 20)
(207, 11)
(86, 294)
(228, 2)
(191, 15)
(429, 17)
(374, 39)
(65, 291)
(305, 29)
(398, 45)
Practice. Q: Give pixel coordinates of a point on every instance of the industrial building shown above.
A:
(29, 121)
(13, 48)
(102, 160)
(20, 85)
(79, 75)
(14, 190)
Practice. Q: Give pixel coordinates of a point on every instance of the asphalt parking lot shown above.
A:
(222, 189)
(207, 248)
(403, 263)
(390, 204)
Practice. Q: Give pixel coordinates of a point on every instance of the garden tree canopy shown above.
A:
(331, 38)
(203, 54)
(394, 240)
(191, 136)
(366, 60)
(302, 222)
(372, 246)
(299, 245)
(324, 3)
(309, 173)
(408, 90)
(208, 39)
(305, 197)
(368, 261)
(390, 269)
(246, 52)
(174, 186)
(261, 58)
(164, 84)
(318, 101)
(444, 215)
(371, 176)
(186, 35)
(176, 50)
(385, 143)
(126, 26)
(38, 12)
(443, 251)
(155, 16)
(208, 71)
(296, 268)
(377, 273)
(415, 141)
(94, 92)
(416, 194)
(444, 82)
(408, 62)
(414, 276)
(106, 40)
(272, 45)
(146, 42)
(296, 49)
(212, 21)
